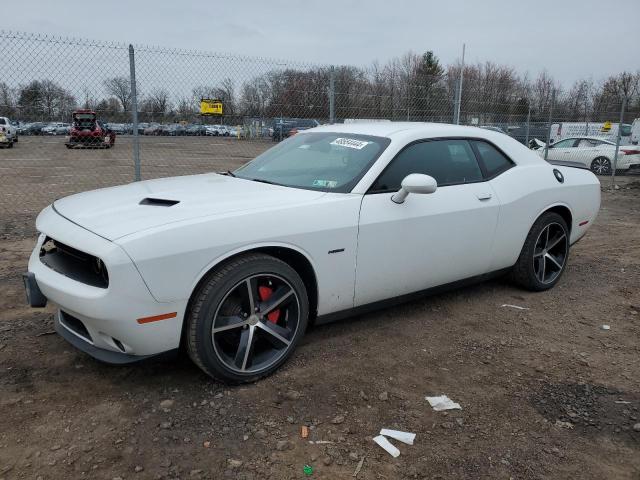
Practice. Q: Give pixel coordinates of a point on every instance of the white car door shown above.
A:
(430, 239)
(562, 150)
(586, 150)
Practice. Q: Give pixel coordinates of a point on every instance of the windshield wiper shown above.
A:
(228, 173)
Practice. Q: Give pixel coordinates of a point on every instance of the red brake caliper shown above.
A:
(265, 293)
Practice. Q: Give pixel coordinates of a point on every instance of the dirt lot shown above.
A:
(545, 392)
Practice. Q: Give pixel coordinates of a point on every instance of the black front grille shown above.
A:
(73, 263)
(72, 323)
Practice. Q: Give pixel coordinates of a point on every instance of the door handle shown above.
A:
(483, 196)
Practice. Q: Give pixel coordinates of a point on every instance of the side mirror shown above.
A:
(415, 183)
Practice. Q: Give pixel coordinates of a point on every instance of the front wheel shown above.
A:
(544, 255)
(246, 318)
(601, 166)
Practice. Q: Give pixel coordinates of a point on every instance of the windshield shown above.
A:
(625, 130)
(330, 162)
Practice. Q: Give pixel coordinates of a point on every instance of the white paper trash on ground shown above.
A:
(386, 444)
(404, 437)
(442, 403)
(517, 307)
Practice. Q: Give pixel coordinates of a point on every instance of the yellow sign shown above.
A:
(210, 107)
(606, 127)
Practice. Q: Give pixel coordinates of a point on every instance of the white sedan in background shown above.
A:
(332, 222)
(595, 153)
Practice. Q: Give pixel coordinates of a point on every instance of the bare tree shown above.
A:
(120, 88)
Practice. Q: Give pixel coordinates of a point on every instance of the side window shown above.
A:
(494, 161)
(568, 143)
(450, 162)
(586, 142)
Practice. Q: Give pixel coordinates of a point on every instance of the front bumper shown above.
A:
(108, 315)
(82, 344)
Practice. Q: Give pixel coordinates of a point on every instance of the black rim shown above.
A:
(550, 253)
(601, 166)
(255, 323)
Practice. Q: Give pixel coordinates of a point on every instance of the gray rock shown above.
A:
(636, 427)
(384, 396)
(292, 395)
(233, 463)
(138, 469)
(283, 445)
(327, 460)
(337, 419)
(353, 456)
(166, 404)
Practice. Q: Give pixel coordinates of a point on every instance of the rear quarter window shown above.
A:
(495, 162)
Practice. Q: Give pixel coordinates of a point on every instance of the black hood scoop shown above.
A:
(158, 202)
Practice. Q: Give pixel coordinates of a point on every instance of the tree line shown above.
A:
(414, 87)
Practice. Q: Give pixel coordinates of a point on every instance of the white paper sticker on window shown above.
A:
(350, 143)
(325, 183)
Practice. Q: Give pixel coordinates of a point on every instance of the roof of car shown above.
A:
(600, 139)
(388, 129)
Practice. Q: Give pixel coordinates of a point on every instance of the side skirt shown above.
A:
(390, 302)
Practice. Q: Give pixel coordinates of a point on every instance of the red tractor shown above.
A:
(87, 131)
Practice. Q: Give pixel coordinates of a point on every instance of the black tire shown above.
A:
(601, 166)
(10, 144)
(530, 269)
(68, 146)
(219, 290)
(15, 140)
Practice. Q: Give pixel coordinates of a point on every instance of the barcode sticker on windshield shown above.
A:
(350, 143)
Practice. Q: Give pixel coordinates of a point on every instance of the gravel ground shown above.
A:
(545, 392)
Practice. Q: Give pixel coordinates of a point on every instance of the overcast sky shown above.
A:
(570, 38)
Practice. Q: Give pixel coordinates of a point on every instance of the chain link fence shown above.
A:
(152, 127)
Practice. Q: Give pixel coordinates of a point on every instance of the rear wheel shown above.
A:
(246, 318)
(544, 255)
(601, 166)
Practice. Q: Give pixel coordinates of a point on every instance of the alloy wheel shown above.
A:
(550, 253)
(255, 323)
(601, 166)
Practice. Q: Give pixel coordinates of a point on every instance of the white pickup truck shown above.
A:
(8, 133)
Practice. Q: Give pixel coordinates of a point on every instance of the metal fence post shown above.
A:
(618, 138)
(553, 101)
(134, 114)
(526, 140)
(332, 95)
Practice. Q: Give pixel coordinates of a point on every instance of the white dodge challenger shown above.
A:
(329, 223)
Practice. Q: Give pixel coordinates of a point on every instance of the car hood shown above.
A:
(115, 212)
